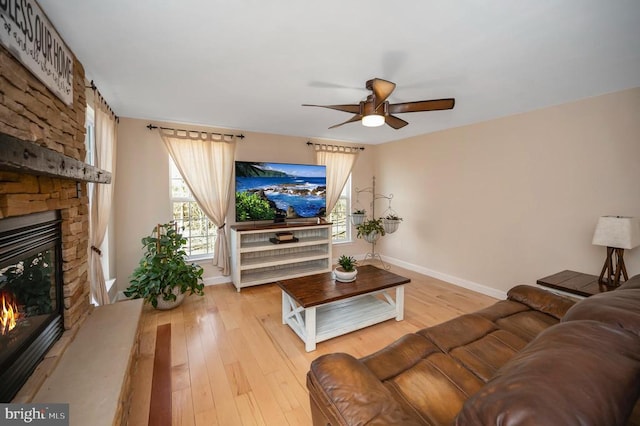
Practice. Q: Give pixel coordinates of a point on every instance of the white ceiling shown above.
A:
(250, 64)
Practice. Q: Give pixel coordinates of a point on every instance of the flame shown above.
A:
(8, 315)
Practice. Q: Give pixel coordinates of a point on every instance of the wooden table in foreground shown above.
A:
(318, 308)
(575, 283)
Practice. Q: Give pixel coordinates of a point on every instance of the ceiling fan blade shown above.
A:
(432, 105)
(395, 122)
(353, 108)
(356, 117)
(381, 89)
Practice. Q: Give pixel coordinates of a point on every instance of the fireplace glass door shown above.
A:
(30, 295)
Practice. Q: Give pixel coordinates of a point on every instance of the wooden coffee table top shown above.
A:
(319, 289)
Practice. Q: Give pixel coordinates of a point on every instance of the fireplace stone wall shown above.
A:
(29, 111)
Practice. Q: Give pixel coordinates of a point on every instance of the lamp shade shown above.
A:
(617, 231)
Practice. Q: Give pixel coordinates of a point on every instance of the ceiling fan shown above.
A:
(376, 109)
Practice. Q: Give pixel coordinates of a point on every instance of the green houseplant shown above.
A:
(347, 271)
(347, 263)
(370, 230)
(163, 275)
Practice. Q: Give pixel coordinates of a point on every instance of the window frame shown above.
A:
(192, 203)
(346, 196)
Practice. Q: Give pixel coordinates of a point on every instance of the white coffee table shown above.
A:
(318, 308)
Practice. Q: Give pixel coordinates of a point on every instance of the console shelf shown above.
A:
(256, 260)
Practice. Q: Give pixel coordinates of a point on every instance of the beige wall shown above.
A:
(511, 200)
(486, 206)
(142, 185)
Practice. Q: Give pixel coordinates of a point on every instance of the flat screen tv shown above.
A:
(279, 191)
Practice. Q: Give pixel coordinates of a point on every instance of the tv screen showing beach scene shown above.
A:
(279, 191)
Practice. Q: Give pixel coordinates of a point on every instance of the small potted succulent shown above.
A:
(164, 276)
(390, 223)
(347, 271)
(357, 217)
(371, 230)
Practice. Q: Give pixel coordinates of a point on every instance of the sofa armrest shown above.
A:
(345, 392)
(541, 300)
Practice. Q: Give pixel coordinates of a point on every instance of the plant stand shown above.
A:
(373, 256)
(375, 196)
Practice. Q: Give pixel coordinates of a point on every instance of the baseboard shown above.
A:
(460, 282)
(217, 280)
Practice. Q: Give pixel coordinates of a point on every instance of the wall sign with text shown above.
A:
(29, 35)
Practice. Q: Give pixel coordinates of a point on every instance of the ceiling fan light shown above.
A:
(373, 120)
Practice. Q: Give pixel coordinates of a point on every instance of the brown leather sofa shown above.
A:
(533, 359)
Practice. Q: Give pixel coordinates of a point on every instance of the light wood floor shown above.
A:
(234, 363)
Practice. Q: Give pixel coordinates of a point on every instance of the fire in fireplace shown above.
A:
(8, 315)
(30, 295)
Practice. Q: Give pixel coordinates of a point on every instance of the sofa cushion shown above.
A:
(527, 324)
(575, 373)
(458, 331)
(619, 307)
(482, 342)
(435, 388)
(485, 356)
(399, 356)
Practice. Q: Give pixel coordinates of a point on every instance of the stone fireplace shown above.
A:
(30, 112)
(30, 295)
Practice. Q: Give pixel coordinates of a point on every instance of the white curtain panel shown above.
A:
(205, 161)
(339, 161)
(101, 196)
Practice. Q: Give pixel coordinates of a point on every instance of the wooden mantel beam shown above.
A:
(18, 155)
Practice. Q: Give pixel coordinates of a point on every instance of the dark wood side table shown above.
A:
(575, 283)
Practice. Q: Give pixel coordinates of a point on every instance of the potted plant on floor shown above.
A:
(370, 230)
(347, 271)
(164, 276)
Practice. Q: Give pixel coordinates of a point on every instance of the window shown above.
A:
(193, 224)
(90, 146)
(90, 137)
(339, 216)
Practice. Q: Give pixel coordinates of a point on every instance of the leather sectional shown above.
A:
(536, 358)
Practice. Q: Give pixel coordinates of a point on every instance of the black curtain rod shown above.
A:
(93, 87)
(361, 148)
(152, 127)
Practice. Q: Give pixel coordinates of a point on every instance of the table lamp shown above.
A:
(616, 233)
